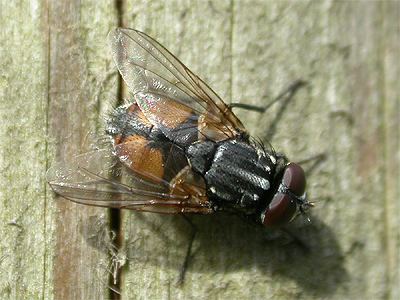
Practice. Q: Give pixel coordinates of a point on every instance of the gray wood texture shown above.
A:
(57, 82)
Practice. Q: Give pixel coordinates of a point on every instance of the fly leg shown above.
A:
(287, 93)
(188, 250)
(312, 162)
(286, 96)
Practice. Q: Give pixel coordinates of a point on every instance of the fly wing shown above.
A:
(95, 178)
(169, 94)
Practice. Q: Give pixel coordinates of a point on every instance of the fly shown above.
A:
(180, 148)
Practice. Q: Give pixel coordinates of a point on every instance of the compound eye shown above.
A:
(280, 211)
(283, 207)
(295, 179)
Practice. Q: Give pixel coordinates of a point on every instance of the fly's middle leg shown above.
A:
(188, 250)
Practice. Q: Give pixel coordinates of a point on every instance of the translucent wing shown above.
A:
(93, 179)
(169, 94)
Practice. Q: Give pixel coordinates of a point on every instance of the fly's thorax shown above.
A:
(238, 174)
(200, 155)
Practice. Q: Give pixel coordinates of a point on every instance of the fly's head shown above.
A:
(289, 199)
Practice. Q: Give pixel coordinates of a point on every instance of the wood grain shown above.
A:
(25, 244)
(56, 85)
(50, 63)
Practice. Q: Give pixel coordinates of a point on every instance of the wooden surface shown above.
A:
(57, 83)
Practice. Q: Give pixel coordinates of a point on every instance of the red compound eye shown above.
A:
(295, 179)
(280, 211)
(283, 206)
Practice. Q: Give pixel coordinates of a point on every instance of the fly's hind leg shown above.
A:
(287, 93)
(285, 97)
(188, 250)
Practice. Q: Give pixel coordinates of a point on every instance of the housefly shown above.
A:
(180, 147)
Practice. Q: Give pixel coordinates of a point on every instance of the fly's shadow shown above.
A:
(225, 244)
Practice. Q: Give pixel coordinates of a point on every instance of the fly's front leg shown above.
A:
(312, 163)
(188, 250)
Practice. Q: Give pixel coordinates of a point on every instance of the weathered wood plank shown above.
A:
(53, 57)
(390, 50)
(78, 61)
(25, 225)
(349, 111)
(55, 66)
(340, 48)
